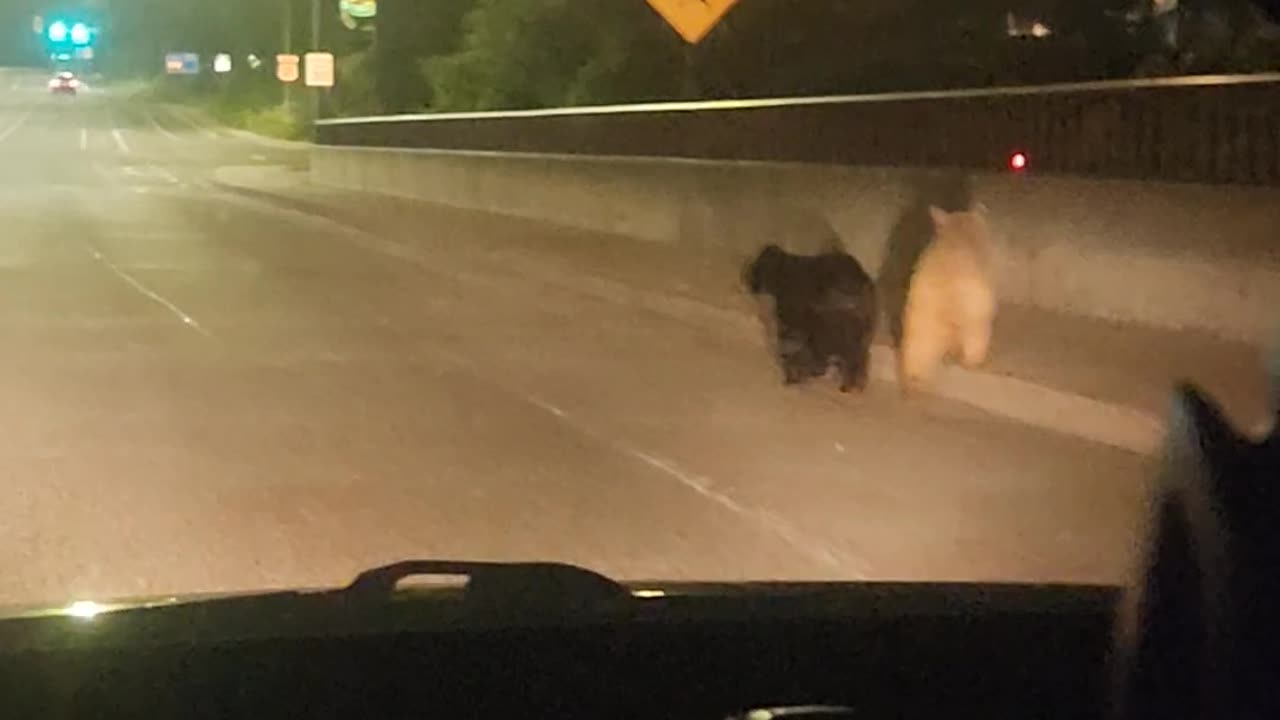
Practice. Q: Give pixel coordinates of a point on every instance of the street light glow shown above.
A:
(58, 31)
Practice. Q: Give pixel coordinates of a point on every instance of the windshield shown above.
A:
(765, 290)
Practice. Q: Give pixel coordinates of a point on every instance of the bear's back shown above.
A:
(963, 246)
(956, 269)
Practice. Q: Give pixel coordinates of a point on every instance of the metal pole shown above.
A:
(315, 24)
(690, 89)
(315, 47)
(288, 48)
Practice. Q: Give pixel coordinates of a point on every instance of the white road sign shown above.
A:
(319, 69)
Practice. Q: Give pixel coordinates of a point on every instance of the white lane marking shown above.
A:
(4, 134)
(120, 143)
(210, 133)
(131, 170)
(163, 130)
(164, 173)
(702, 486)
(188, 115)
(779, 526)
(184, 116)
(698, 484)
(860, 568)
(149, 293)
(258, 158)
(84, 138)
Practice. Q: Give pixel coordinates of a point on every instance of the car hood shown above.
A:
(637, 590)
(505, 594)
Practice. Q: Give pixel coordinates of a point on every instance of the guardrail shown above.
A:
(1211, 129)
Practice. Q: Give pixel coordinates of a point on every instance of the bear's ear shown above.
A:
(939, 215)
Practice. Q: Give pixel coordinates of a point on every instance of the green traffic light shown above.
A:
(78, 33)
(58, 31)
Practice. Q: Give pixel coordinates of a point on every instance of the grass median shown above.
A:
(256, 110)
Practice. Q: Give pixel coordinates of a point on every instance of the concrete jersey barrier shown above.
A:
(1175, 256)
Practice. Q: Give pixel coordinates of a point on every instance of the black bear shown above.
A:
(825, 309)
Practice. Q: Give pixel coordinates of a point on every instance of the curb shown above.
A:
(1022, 401)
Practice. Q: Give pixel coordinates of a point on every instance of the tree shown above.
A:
(634, 57)
(541, 53)
(407, 37)
(354, 92)
(514, 55)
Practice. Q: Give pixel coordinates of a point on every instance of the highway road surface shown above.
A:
(201, 392)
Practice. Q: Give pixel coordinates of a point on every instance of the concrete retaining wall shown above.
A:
(1167, 255)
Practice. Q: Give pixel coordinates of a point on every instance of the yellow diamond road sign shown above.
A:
(693, 19)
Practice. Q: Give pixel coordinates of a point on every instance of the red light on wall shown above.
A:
(1018, 161)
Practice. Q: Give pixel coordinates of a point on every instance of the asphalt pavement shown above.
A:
(205, 393)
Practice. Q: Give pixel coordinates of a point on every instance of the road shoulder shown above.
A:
(1047, 378)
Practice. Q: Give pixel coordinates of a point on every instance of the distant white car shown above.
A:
(64, 83)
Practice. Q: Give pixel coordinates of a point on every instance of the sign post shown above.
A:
(318, 75)
(692, 19)
(315, 48)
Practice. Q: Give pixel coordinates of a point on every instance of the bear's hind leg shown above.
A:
(855, 362)
(975, 341)
(924, 343)
(795, 357)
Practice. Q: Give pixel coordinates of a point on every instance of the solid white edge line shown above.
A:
(4, 134)
(163, 130)
(149, 293)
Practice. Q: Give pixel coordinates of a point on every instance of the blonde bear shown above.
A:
(951, 299)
